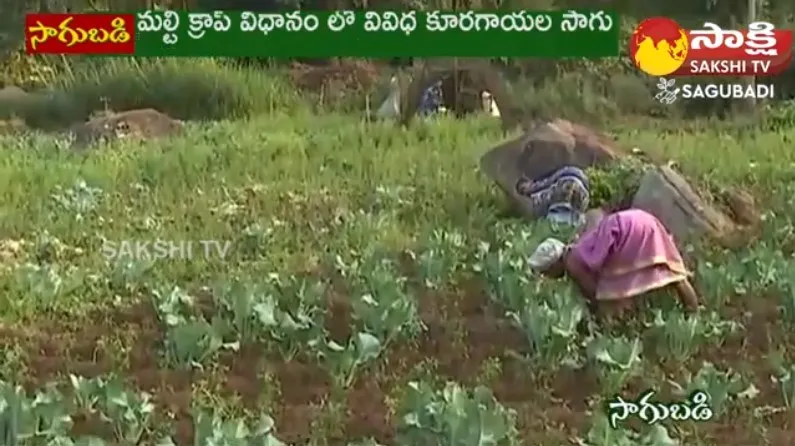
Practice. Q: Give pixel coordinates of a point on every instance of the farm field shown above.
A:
(373, 292)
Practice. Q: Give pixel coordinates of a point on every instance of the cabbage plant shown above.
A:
(45, 284)
(193, 343)
(721, 281)
(552, 332)
(784, 378)
(127, 275)
(41, 419)
(616, 359)
(345, 360)
(382, 305)
(250, 308)
(285, 310)
(766, 267)
(190, 339)
(788, 297)
(506, 279)
(722, 386)
(367, 442)
(130, 413)
(454, 416)
(80, 199)
(211, 429)
(300, 313)
(602, 434)
(440, 258)
(679, 335)
(173, 305)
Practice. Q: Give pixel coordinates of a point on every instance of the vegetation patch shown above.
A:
(369, 296)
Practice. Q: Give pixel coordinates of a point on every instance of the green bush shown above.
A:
(189, 89)
(615, 185)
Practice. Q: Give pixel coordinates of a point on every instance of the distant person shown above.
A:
(432, 100)
(390, 109)
(618, 257)
(561, 196)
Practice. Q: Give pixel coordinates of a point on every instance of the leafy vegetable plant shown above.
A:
(211, 429)
(616, 359)
(440, 258)
(173, 306)
(788, 297)
(721, 281)
(454, 417)
(679, 335)
(766, 267)
(47, 283)
(41, 419)
(130, 413)
(127, 275)
(784, 377)
(190, 339)
(380, 300)
(367, 442)
(609, 186)
(345, 361)
(193, 343)
(506, 279)
(551, 331)
(299, 317)
(79, 199)
(721, 386)
(250, 308)
(602, 434)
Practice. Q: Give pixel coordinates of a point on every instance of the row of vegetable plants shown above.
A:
(288, 314)
(48, 416)
(549, 314)
(446, 415)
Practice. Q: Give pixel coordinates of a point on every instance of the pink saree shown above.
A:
(630, 253)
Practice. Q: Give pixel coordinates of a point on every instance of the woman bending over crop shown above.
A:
(618, 257)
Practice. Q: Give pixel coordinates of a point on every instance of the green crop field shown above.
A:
(373, 292)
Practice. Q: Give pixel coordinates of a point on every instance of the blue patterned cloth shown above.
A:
(432, 99)
(562, 197)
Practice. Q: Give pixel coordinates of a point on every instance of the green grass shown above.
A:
(192, 89)
(291, 191)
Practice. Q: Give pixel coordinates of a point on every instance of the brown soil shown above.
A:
(463, 333)
(346, 75)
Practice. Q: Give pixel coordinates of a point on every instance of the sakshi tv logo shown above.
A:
(659, 46)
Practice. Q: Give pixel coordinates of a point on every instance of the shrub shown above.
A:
(189, 89)
(615, 185)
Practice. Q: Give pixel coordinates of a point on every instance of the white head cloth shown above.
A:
(547, 253)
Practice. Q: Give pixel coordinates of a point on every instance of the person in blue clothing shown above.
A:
(562, 196)
(432, 99)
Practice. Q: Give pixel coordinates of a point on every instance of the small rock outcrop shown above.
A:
(668, 195)
(141, 124)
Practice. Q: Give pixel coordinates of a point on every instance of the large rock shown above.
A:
(14, 101)
(544, 149)
(12, 92)
(667, 194)
(145, 123)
